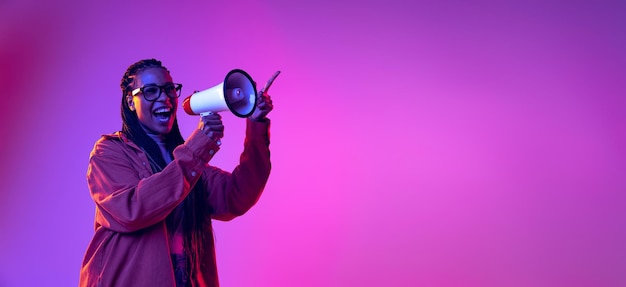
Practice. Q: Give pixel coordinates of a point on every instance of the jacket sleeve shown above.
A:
(232, 194)
(127, 196)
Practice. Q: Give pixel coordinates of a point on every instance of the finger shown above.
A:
(265, 99)
(211, 119)
(215, 128)
(219, 129)
(211, 115)
(269, 82)
(266, 104)
(213, 123)
(263, 95)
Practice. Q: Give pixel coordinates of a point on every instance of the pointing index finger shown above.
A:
(269, 82)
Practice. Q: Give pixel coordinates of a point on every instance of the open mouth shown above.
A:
(163, 114)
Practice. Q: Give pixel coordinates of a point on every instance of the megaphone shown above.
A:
(236, 93)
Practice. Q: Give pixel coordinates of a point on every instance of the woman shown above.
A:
(155, 194)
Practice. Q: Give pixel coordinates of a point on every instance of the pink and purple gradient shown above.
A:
(414, 143)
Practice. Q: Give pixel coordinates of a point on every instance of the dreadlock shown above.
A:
(194, 205)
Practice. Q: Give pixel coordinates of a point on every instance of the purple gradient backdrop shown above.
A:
(414, 143)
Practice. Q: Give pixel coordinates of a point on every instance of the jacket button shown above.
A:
(193, 173)
(211, 152)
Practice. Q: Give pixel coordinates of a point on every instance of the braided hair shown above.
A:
(194, 205)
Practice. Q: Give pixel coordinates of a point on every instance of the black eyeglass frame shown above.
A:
(177, 88)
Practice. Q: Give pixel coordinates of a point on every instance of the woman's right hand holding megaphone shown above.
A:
(211, 124)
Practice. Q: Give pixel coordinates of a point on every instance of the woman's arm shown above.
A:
(232, 194)
(128, 196)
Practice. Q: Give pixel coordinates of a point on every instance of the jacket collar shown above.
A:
(118, 135)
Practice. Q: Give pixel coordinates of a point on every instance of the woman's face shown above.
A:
(156, 117)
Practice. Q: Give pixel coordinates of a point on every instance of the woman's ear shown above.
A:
(129, 101)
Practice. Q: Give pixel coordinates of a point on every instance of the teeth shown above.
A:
(163, 110)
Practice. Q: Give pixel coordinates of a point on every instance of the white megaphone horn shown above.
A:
(236, 93)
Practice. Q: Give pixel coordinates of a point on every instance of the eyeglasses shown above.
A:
(152, 92)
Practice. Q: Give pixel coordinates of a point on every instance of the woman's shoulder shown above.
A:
(111, 142)
(110, 139)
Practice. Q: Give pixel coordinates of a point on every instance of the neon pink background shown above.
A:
(414, 143)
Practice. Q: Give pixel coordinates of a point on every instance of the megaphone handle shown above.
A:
(270, 82)
(206, 113)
